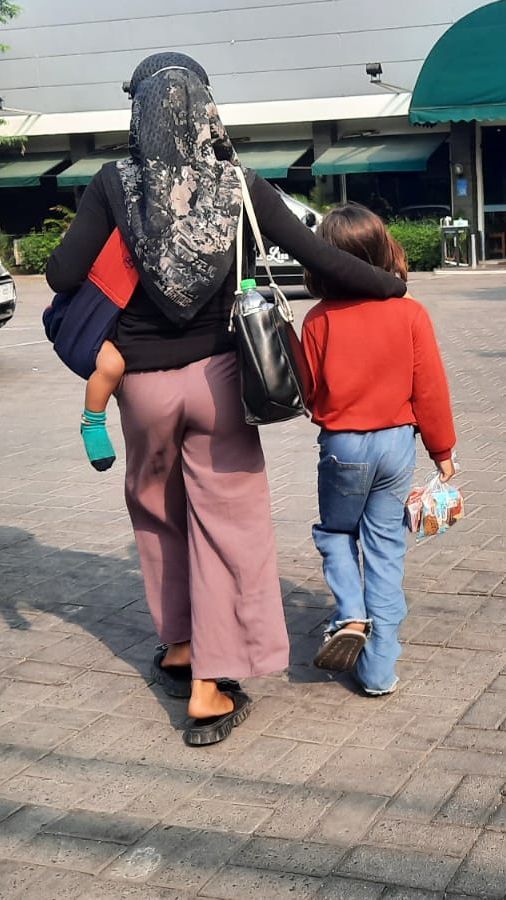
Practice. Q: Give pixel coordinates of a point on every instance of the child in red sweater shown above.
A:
(377, 378)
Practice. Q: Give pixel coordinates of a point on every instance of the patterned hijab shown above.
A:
(182, 196)
(157, 61)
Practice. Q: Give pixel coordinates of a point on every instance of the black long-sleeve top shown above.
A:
(145, 337)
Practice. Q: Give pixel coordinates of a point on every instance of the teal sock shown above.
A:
(97, 442)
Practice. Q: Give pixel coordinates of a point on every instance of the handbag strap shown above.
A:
(248, 209)
(239, 251)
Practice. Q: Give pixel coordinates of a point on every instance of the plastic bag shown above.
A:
(434, 508)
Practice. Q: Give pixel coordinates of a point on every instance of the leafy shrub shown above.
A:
(61, 219)
(421, 241)
(316, 200)
(36, 248)
(6, 250)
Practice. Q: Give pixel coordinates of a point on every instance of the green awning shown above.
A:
(392, 153)
(26, 171)
(463, 78)
(82, 171)
(273, 159)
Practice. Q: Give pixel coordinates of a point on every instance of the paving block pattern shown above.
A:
(322, 793)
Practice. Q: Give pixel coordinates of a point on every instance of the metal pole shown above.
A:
(344, 189)
(474, 258)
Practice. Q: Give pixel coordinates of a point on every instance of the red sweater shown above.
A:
(376, 364)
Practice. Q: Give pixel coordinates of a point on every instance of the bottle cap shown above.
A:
(248, 284)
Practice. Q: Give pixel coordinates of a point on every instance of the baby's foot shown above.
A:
(97, 442)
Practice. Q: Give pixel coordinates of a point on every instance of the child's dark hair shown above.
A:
(362, 233)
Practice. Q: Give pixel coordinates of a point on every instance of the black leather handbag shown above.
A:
(275, 378)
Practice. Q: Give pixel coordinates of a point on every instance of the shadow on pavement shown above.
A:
(57, 595)
(99, 798)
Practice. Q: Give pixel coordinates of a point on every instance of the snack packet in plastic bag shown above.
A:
(434, 508)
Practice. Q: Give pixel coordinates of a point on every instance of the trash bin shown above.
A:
(456, 244)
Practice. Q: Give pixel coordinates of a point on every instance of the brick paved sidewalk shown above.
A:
(322, 793)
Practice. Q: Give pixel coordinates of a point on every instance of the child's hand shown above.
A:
(446, 469)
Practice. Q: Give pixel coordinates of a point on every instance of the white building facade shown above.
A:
(289, 77)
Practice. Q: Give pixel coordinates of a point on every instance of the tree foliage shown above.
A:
(8, 11)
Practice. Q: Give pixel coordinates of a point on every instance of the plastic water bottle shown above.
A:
(251, 298)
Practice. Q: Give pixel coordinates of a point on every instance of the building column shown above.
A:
(80, 145)
(324, 136)
(463, 173)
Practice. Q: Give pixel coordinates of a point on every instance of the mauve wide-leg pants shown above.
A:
(197, 494)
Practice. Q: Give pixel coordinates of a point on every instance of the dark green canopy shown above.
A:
(26, 171)
(82, 171)
(464, 77)
(390, 153)
(272, 159)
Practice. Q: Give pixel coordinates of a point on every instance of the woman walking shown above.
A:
(196, 487)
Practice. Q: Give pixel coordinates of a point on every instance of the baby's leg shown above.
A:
(110, 367)
(108, 373)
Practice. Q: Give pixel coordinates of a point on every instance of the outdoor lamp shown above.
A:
(375, 71)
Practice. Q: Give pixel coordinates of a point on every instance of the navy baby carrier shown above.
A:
(78, 323)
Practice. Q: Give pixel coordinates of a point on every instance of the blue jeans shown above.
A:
(364, 479)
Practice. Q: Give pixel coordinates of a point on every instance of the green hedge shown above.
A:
(6, 250)
(421, 241)
(36, 248)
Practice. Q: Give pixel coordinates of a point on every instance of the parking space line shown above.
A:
(25, 344)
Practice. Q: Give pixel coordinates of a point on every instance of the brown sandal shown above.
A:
(340, 652)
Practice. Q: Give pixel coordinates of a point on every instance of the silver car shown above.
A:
(7, 296)
(286, 270)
